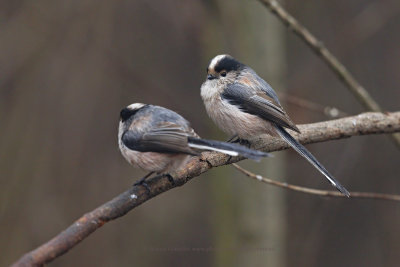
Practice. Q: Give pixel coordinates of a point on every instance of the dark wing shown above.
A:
(166, 137)
(258, 103)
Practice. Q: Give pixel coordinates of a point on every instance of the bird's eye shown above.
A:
(223, 74)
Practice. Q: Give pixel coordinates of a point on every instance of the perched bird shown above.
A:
(160, 140)
(244, 105)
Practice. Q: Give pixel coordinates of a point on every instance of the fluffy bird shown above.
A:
(160, 140)
(244, 105)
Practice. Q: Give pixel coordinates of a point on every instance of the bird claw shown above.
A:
(142, 182)
(233, 139)
(237, 140)
(170, 179)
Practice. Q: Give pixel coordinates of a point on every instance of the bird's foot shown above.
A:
(244, 142)
(142, 182)
(237, 140)
(233, 139)
(170, 179)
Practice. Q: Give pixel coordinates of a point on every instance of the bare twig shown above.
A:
(320, 49)
(331, 112)
(367, 123)
(318, 192)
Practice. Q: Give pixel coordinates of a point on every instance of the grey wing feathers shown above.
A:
(267, 89)
(258, 103)
(167, 138)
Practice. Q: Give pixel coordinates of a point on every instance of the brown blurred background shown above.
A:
(68, 67)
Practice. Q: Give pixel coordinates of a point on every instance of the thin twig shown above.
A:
(331, 112)
(367, 123)
(334, 64)
(318, 192)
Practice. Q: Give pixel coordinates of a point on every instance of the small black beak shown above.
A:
(210, 77)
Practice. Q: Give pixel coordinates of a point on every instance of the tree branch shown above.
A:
(334, 64)
(363, 124)
(318, 192)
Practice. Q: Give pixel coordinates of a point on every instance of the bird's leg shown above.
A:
(234, 139)
(142, 181)
(244, 142)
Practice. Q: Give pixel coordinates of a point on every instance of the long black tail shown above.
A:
(305, 153)
(226, 148)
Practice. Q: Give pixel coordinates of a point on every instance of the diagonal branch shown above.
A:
(334, 64)
(318, 192)
(363, 124)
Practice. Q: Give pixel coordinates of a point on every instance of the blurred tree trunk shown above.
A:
(244, 210)
(264, 213)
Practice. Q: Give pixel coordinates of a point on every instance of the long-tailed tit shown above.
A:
(244, 105)
(160, 140)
